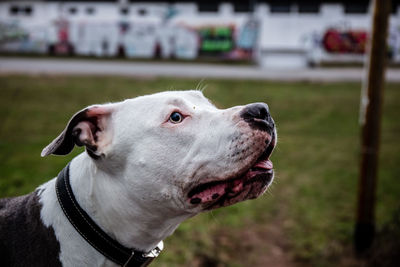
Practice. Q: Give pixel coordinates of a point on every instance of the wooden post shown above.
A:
(370, 116)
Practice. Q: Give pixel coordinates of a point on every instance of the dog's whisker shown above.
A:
(203, 88)
(214, 217)
(200, 86)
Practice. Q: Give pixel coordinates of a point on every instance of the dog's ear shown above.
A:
(88, 127)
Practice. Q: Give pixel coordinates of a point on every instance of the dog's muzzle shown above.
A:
(250, 182)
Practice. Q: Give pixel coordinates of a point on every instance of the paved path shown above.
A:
(149, 69)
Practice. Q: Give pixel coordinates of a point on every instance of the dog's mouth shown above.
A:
(247, 185)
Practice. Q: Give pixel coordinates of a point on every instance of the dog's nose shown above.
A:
(258, 116)
(258, 111)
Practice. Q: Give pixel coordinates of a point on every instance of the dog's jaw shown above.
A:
(248, 183)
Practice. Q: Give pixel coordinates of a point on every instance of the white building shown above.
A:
(275, 33)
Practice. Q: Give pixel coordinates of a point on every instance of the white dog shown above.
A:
(150, 163)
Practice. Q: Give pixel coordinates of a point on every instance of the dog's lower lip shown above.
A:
(261, 170)
(212, 191)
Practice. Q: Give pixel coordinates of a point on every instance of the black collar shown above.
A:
(93, 234)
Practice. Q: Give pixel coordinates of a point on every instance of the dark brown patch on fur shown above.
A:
(24, 239)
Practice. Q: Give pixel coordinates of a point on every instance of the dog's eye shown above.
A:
(176, 117)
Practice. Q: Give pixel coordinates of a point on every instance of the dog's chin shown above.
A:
(250, 184)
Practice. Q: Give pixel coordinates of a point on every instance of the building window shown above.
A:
(124, 11)
(72, 10)
(142, 12)
(207, 7)
(355, 8)
(18, 10)
(308, 8)
(280, 7)
(28, 10)
(13, 10)
(90, 10)
(243, 7)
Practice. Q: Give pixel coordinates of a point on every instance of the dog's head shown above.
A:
(181, 152)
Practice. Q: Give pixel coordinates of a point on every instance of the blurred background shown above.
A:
(304, 58)
(269, 33)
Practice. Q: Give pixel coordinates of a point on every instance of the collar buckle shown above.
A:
(155, 251)
(149, 256)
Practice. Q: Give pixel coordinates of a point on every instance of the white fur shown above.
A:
(137, 191)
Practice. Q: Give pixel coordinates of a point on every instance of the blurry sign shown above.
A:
(216, 39)
(335, 41)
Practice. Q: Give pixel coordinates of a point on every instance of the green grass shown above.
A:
(309, 211)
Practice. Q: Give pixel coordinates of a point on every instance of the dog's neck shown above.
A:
(106, 201)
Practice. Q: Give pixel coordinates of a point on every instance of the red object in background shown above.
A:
(345, 42)
(63, 35)
(62, 46)
(62, 30)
